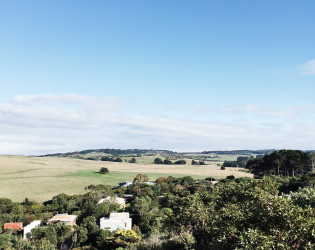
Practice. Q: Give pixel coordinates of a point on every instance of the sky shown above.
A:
(177, 75)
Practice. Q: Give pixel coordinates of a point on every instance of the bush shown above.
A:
(104, 171)
(230, 163)
(180, 162)
(132, 160)
(304, 197)
(193, 162)
(106, 158)
(161, 179)
(167, 162)
(158, 161)
(222, 168)
(230, 177)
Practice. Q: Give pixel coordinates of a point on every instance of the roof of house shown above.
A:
(63, 218)
(117, 216)
(115, 199)
(16, 225)
(33, 224)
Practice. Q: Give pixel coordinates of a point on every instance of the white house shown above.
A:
(69, 220)
(125, 184)
(116, 221)
(29, 227)
(120, 201)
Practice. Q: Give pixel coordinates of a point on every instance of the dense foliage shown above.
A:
(281, 163)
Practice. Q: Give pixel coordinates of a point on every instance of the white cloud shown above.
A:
(58, 123)
(308, 68)
(248, 110)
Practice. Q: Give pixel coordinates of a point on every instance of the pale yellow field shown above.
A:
(40, 178)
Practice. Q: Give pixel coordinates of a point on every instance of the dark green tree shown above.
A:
(104, 171)
(158, 161)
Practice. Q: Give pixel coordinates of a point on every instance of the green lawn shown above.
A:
(115, 177)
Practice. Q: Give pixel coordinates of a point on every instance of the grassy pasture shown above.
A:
(40, 178)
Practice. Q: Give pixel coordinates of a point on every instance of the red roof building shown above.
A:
(16, 225)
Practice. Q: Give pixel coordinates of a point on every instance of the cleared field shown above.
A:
(40, 178)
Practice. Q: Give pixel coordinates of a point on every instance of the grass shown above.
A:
(40, 178)
(114, 177)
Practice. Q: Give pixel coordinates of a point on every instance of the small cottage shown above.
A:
(69, 220)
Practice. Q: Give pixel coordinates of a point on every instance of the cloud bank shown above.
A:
(47, 123)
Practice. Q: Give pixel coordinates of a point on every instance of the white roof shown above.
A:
(33, 224)
(115, 199)
(117, 216)
(63, 218)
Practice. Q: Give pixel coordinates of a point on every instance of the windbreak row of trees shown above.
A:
(109, 158)
(240, 162)
(169, 162)
(281, 163)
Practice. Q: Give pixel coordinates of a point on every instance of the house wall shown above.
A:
(113, 225)
(29, 227)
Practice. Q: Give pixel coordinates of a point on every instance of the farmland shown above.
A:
(40, 178)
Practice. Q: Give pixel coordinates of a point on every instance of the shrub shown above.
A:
(161, 179)
(132, 160)
(158, 161)
(167, 162)
(104, 171)
(230, 177)
(304, 197)
(106, 158)
(180, 162)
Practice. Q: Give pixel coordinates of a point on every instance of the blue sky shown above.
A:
(179, 75)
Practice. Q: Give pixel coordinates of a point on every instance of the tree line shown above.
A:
(281, 163)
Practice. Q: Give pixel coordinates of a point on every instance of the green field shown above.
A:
(40, 178)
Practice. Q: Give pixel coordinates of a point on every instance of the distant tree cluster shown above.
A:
(229, 164)
(240, 162)
(168, 162)
(137, 152)
(109, 158)
(194, 162)
(240, 152)
(281, 163)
